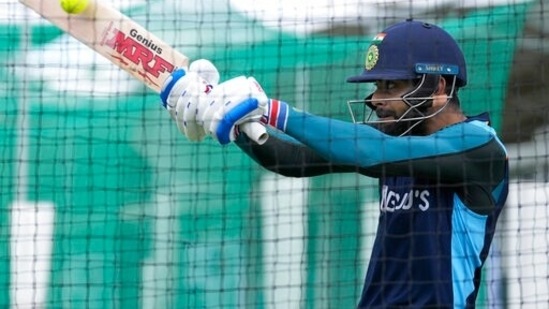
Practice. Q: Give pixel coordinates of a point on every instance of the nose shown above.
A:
(376, 100)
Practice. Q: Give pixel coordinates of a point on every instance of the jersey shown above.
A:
(440, 198)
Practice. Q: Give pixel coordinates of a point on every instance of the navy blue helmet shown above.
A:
(409, 49)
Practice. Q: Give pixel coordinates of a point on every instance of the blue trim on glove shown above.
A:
(226, 125)
(165, 91)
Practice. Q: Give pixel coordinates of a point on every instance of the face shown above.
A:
(389, 106)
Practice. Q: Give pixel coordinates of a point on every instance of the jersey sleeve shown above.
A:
(465, 151)
(288, 157)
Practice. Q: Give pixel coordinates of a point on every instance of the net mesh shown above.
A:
(105, 205)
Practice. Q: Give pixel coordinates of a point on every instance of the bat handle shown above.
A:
(255, 131)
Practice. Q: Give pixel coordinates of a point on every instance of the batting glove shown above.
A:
(184, 93)
(231, 103)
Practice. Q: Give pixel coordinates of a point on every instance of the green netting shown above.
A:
(146, 219)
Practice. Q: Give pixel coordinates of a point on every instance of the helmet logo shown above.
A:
(372, 55)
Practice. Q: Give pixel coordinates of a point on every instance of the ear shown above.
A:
(441, 88)
(439, 97)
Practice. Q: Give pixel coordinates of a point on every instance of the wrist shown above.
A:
(276, 114)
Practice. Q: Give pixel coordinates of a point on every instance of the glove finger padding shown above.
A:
(187, 105)
(181, 95)
(205, 69)
(224, 98)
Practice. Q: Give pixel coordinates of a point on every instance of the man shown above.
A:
(443, 176)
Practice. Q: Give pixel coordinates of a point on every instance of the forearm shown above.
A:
(377, 154)
(287, 157)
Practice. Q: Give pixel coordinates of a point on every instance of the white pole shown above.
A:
(284, 221)
(30, 253)
(31, 223)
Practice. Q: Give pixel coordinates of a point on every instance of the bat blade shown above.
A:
(126, 44)
(116, 37)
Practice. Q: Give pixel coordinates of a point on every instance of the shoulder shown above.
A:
(473, 133)
(470, 128)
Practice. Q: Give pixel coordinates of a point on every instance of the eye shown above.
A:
(385, 85)
(390, 85)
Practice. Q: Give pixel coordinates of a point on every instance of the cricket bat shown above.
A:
(126, 44)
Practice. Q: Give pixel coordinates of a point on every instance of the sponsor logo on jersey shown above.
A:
(392, 201)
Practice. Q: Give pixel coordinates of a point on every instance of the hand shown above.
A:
(245, 113)
(236, 101)
(185, 92)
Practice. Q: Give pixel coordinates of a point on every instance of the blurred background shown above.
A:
(104, 204)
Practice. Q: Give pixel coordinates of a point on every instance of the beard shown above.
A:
(403, 126)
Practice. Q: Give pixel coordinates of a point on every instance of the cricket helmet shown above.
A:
(410, 49)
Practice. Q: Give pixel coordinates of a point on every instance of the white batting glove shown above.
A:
(183, 93)
(231, 103)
